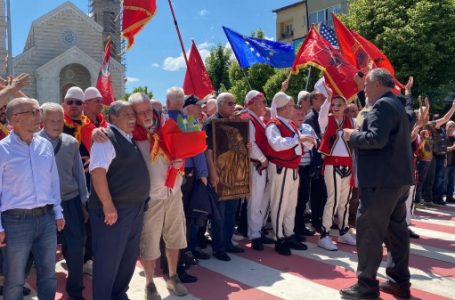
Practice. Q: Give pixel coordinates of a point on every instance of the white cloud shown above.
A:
(173, 64)
(156, 65)
(203, 12)
(269, 38)
(132, 79)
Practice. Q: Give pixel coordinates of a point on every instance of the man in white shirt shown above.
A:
(284, 153)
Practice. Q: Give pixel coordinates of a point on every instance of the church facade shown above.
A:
(65, 48)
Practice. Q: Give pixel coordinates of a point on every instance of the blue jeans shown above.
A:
(24, 234)
(438, 186)
(449, 181)
(223, 229)
(73, 241)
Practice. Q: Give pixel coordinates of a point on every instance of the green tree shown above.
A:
(217, 65)
(139, 89)
(417, 37)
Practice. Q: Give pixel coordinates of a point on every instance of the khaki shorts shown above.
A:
(164, 217)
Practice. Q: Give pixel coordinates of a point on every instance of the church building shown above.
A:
(65, 48)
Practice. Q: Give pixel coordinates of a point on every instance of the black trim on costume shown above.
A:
(279, 205)
(346, 210)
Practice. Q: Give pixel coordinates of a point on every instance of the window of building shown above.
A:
(287, 30)
(324, 15)
(336, 9)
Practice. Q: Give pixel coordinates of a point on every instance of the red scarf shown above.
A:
(141, 134)
(82, 131)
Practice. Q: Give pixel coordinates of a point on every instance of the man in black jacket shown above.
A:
(382, 145)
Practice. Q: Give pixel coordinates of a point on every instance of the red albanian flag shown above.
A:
(317, 52)
(379, 58)
(197, 81)
(104, 81)
(136, 14)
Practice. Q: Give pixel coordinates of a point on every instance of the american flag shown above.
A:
(329, 34)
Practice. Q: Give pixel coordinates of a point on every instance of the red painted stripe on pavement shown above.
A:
(432, 226)
(416, 261)
(434, 216)
(335, 277)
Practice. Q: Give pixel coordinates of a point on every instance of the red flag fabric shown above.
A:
(136, 14)
(317, 52)
(350, 48)
(197, 81)
(362, 53)
(379, 58)
(104, 81)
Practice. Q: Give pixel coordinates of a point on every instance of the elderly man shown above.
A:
(116, 204)
(284, 150)
(93, 105)
(164, 216)
(258, 201)
(223, 229)
(73, 193)
(210, 107)
(30, 192)
(384, 168)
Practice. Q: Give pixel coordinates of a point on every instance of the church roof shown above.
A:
(59, 9)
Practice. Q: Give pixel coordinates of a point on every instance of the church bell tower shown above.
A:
(107, 13)
(3, 52)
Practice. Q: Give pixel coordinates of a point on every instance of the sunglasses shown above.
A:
(34, 112)
(74, 102)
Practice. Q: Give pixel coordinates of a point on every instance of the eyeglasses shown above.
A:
(229, 103)
(34, 112)
(145, 113)
(74, 102)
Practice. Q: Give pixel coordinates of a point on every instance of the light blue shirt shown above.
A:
(28, 175)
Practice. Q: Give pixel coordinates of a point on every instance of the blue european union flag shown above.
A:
(250, 51)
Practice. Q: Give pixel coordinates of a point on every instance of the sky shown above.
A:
(155, 60)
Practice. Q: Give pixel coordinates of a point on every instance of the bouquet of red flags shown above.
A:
(180, 141)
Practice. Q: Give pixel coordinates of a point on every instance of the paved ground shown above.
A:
(315, 273)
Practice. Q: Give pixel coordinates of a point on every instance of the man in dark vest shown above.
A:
(384, 172)
(116, 204)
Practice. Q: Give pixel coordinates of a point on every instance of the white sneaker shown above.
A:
(347, 238)
(88, 267)
(327, 244)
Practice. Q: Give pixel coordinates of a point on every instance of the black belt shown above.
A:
(34, 212)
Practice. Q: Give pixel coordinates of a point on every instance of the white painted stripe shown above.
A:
(436, 212)
(421, 280)
(433, 253)
(269, 280)
(449, 237)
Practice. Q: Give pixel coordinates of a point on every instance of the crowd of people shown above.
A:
(94, 180)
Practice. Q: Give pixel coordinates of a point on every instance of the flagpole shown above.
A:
(181, 42)
(246, 77)
(308, 79)
(10, 42)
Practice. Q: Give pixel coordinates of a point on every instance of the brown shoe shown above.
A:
(176, 287)
(401, 290)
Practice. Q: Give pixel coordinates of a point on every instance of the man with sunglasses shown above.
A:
(284, 151)
(29, 201)
(93, 105)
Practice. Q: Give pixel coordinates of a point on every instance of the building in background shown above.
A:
(65, 48)
(292, 21)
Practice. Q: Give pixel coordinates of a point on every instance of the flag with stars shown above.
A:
(329, 34)
(250, 51)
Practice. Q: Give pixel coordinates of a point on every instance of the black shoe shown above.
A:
(354, 292)
(300, 237)
(221, 256)
(257, 244)
(235, 249)
(189, 259)
(439, 202)
(293, 243)
(26, 291)
(450, 200)
(308, 231)
(201, 254)
(282, 248)
(400, 290)
(413, 235)
(187, 278)
(267, 241)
